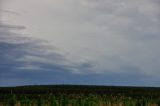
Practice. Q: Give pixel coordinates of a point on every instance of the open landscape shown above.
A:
(79, 95)
(79, 53)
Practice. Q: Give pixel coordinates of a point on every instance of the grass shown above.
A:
(70, 95)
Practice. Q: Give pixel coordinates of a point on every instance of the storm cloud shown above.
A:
(77, 41)
(27, 60)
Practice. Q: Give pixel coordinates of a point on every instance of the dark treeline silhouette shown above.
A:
(153, 92)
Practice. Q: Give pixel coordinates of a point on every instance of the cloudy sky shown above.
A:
(104, 42)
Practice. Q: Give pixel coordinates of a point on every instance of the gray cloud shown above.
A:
(132, 19)
(26, 59)
(94, 37)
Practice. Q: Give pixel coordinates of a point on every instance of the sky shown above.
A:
(95, 42)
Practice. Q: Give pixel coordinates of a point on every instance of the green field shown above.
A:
(79, 95)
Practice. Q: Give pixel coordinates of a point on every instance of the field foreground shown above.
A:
(79, 95)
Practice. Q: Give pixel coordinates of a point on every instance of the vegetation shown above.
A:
(79, 95)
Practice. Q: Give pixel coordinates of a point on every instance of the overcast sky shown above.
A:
(105, 42)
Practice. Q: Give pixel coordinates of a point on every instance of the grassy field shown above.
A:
(79, 95)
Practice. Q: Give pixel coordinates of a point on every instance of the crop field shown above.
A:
(79, 95)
